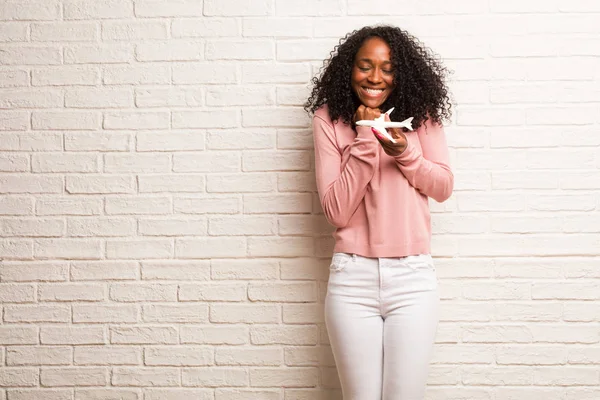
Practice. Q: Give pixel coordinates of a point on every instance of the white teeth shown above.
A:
(374, 91)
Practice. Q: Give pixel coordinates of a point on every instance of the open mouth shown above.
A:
(373, 92)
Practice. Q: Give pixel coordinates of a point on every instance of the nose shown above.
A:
(375, 76)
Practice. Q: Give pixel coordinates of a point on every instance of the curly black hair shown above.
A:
(419, 78)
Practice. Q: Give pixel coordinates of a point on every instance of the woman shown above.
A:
(381, 307)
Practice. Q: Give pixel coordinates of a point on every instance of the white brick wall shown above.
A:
(161, 238)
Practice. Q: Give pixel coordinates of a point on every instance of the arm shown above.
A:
(341, 191)
(427, 170)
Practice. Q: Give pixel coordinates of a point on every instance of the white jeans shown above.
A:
(382, 316)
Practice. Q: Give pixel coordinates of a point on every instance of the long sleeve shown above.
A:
(342, 186)
(427, 170)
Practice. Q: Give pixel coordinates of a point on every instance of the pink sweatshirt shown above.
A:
(378, 203)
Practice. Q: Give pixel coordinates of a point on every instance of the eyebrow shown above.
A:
(370, 61)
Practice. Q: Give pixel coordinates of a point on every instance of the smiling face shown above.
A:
(372, 73)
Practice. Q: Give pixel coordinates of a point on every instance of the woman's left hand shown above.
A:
(392, 149)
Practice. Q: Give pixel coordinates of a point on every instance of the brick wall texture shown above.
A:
(160, 233)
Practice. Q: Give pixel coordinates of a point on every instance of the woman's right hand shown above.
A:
(366, 113)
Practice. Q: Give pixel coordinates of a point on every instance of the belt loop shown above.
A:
(353, 257)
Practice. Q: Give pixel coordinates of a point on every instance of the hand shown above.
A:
(392, 149)
(366, 113)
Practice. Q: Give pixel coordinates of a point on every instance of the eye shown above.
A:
(389, 72)
(364, 69)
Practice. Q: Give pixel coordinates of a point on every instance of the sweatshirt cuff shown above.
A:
(409, 154)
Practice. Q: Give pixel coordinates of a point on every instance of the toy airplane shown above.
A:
(379, 124)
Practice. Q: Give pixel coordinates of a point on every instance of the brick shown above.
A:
(225, 247)
(19, 335)
(27, 98)
(99, 98)
(136, 377)
(46, 355)
(247, 394)
(236, 183)
(305, 269)
(244, 313)
(180, 313)
(30, 55)
(171, 97)
(509, 311)
(16, 249)
(100, 394)
(71, 292)
(183, 356)
(223, 140)
(528, 355)
(136, 292)
(16, 205)
(205, 119)
(176, 270)
(139, 30)
(104, 314)
(214, 334)
(283, 292)
(240, 50)
(240, 96)
(105, 9)
(68, 206)
(250, 269)
(178, 8)
(93, 227)
(14, 78)
(64, 76)
(276, 161)
(139, 248)
(208, 162)
(136, 75)
(143, 334)
(17, 293)
(463, 353)
(287, 335)
(289, 377)
(34, 271)
(61, 162)
(214, 377)
(46, 394)
(67, 249)
(72, 335)
(244, 8)
(64, 32)
(174, 394)
(136, 120)
(496, 334)
(24, 377)
(205, 73)
(269, 73)
(207, 205)
(237, 226)
(213, 292)
(280, 247)
(137, 205)
(32, 227)
(301, 50)
(282, 203)
(103, 270)
(204, 27)
(276, 27)
(248, 356)
(303, 314)
(172, 227)
(37, 313)
(98, 53)
(26, 183)
(171, 183)
(283, 117)
(141, 163)
(13, 32)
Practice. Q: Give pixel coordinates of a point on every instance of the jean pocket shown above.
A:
(420, 262)
(339, 261)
